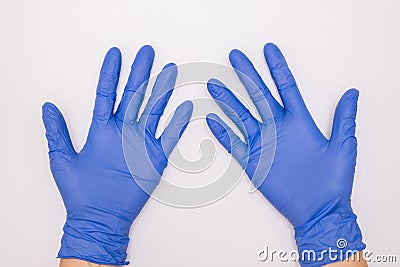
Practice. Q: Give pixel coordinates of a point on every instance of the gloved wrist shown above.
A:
(96, 242)
(330, 236)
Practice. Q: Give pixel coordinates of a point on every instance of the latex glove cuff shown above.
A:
(332, 235)
(96, 242)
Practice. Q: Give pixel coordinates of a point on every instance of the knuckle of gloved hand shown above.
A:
(349, 146)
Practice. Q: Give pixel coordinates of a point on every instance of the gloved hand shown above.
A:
(100, 195)
(310, 179)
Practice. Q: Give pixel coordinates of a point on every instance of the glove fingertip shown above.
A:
(112, 61)
(215, 125)
(147, 49)
(50, 115)
(114, 51)
(215, 87)
(48, 107)
(170, 65)
(187, 109)
(348, 102)
(212, 118)
(270, 46)
(352, 93)
(186, 106)
(215, 82)
(273, 55)
(235, 55)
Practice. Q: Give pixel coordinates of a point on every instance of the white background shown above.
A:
(52, 51)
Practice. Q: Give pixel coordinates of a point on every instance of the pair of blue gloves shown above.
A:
(309, 179)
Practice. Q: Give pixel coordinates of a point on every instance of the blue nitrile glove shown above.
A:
(310, 179)
(100, 195)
